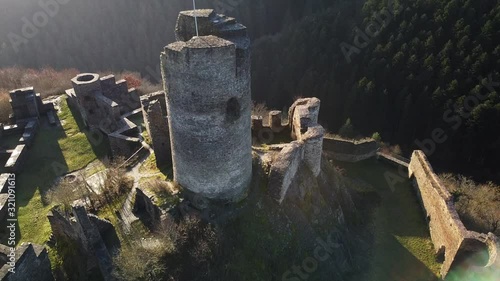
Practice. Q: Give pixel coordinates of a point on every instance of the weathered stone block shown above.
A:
(32, 263)
(154, 113)
(257, 123)
(146, 209)
(283, 170)
(275, 120)
(313, 142)
(16, 159)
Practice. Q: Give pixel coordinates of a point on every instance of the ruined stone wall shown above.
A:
(207, 81)
(147, 209)
(32, 263)
(122, 145)
(350, 151)
(17, 159)
(127, 99)
(284, 169)
(102, 103)
(448, 234)
(82, 231)
(306, 150)
(275, 130)
(24, 103)
(87, 87)
(154, 111)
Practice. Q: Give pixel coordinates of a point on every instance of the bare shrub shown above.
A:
(116, 181)
(141, 260)
(66, 191)
(196, 250)
(260, 109)
(5, 108)
(477, 204)
(148, 87)
(47, 81)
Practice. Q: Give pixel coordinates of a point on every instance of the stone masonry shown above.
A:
(450, 237)
(27, 104)
(102, 102)
(305, 150)
(154, 111)
(31, 263)
(85, 233)
(350, 150)
(207, 81)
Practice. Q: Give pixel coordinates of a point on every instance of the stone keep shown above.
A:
(207, 82)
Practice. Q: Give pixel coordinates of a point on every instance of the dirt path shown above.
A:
(126, 214)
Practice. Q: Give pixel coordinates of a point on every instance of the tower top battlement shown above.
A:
(201, 42)
(211, 23)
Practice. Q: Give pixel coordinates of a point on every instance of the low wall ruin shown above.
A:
(451, 239)
(350, 150)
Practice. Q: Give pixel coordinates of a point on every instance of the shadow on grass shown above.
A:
(97, 139)
(402, 248)
(44, 163)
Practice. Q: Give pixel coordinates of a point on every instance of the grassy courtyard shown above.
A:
(56, 151)
(402, 249)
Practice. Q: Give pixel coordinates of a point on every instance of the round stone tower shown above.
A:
(207, 82)
(87, 86)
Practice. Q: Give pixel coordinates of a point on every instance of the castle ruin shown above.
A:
(207, 82)
(103, 104)
(452, 240)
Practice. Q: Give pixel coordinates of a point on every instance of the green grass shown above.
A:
(402, 248)
(56, 151)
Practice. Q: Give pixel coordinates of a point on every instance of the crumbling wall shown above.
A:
(147, 210)
(30, 131)
(82, 232)
(350, 151)
(102, 103)
(32, 263)
(302, 114)
(24, 104)
(448, 234)
(275, 130)
(122, 145)
(283, 170)
(154, 111)
(127, 99)
(306, 149)
(17, 159)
